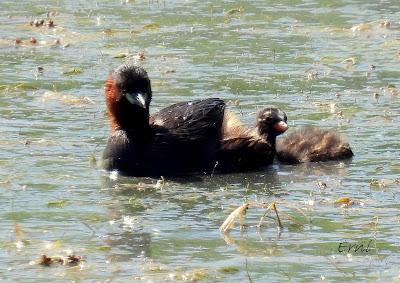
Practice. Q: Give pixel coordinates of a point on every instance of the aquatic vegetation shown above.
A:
(228, 269)
(66, 98)
(57, 203)
(151, 26)
(73, 71)
(240, 212)
(234, 11)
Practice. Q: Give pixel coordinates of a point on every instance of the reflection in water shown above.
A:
(127, 245)
(139, 209)
(254, 247)
(304, 170)
(132, 239)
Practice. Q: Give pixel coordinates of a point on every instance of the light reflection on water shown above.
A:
(291, 54)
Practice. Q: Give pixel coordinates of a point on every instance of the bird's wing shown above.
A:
(195, 119)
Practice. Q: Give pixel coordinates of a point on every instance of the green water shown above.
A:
(53, 127)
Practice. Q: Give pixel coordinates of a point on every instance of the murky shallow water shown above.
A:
(291, 54)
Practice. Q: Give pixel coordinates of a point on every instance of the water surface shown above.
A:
(308, 57)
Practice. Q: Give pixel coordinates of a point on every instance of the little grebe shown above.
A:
(244, 148)
(196, 136)
(312, 145)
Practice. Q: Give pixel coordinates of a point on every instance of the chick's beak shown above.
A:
(138, 99)
(281, 127)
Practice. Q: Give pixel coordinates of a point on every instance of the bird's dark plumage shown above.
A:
(199, 118)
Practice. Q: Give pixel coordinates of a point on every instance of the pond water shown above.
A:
(332, 64)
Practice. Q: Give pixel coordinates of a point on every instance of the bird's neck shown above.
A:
(133, 121)
(270, 138)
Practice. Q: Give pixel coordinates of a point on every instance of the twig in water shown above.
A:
(248, 274)
(277, 215)
(271, 206)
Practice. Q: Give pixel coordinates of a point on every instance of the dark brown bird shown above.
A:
(196, 136)
(312, 145)
(246, 148)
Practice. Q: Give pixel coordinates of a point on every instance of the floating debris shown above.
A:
(57, 203)
(40, 69)
(392, 89)
(66, 98)
(137, 56)
(160, 183)
(328, 59)
(45, 260)
(361, 27)
(169, 71)
(70, 260)
(93, 160)
(109, 31)
(37, 23)
(152, 26)
(322, 185)
(30, 42)
(230, 221)
(311, 74)
(121, 55)
(349, 62)
(33, 40)
(344, 201)
(234, 11)
(40, 142)
(196, 275)
(140, 56)
(383, 183)
(370, 26)
(73, 71)
(41, 22)
(229, 269)
(384, 24)
(18, 86)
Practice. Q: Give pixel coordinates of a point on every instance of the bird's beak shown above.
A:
(280, 127)
(137, 98)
